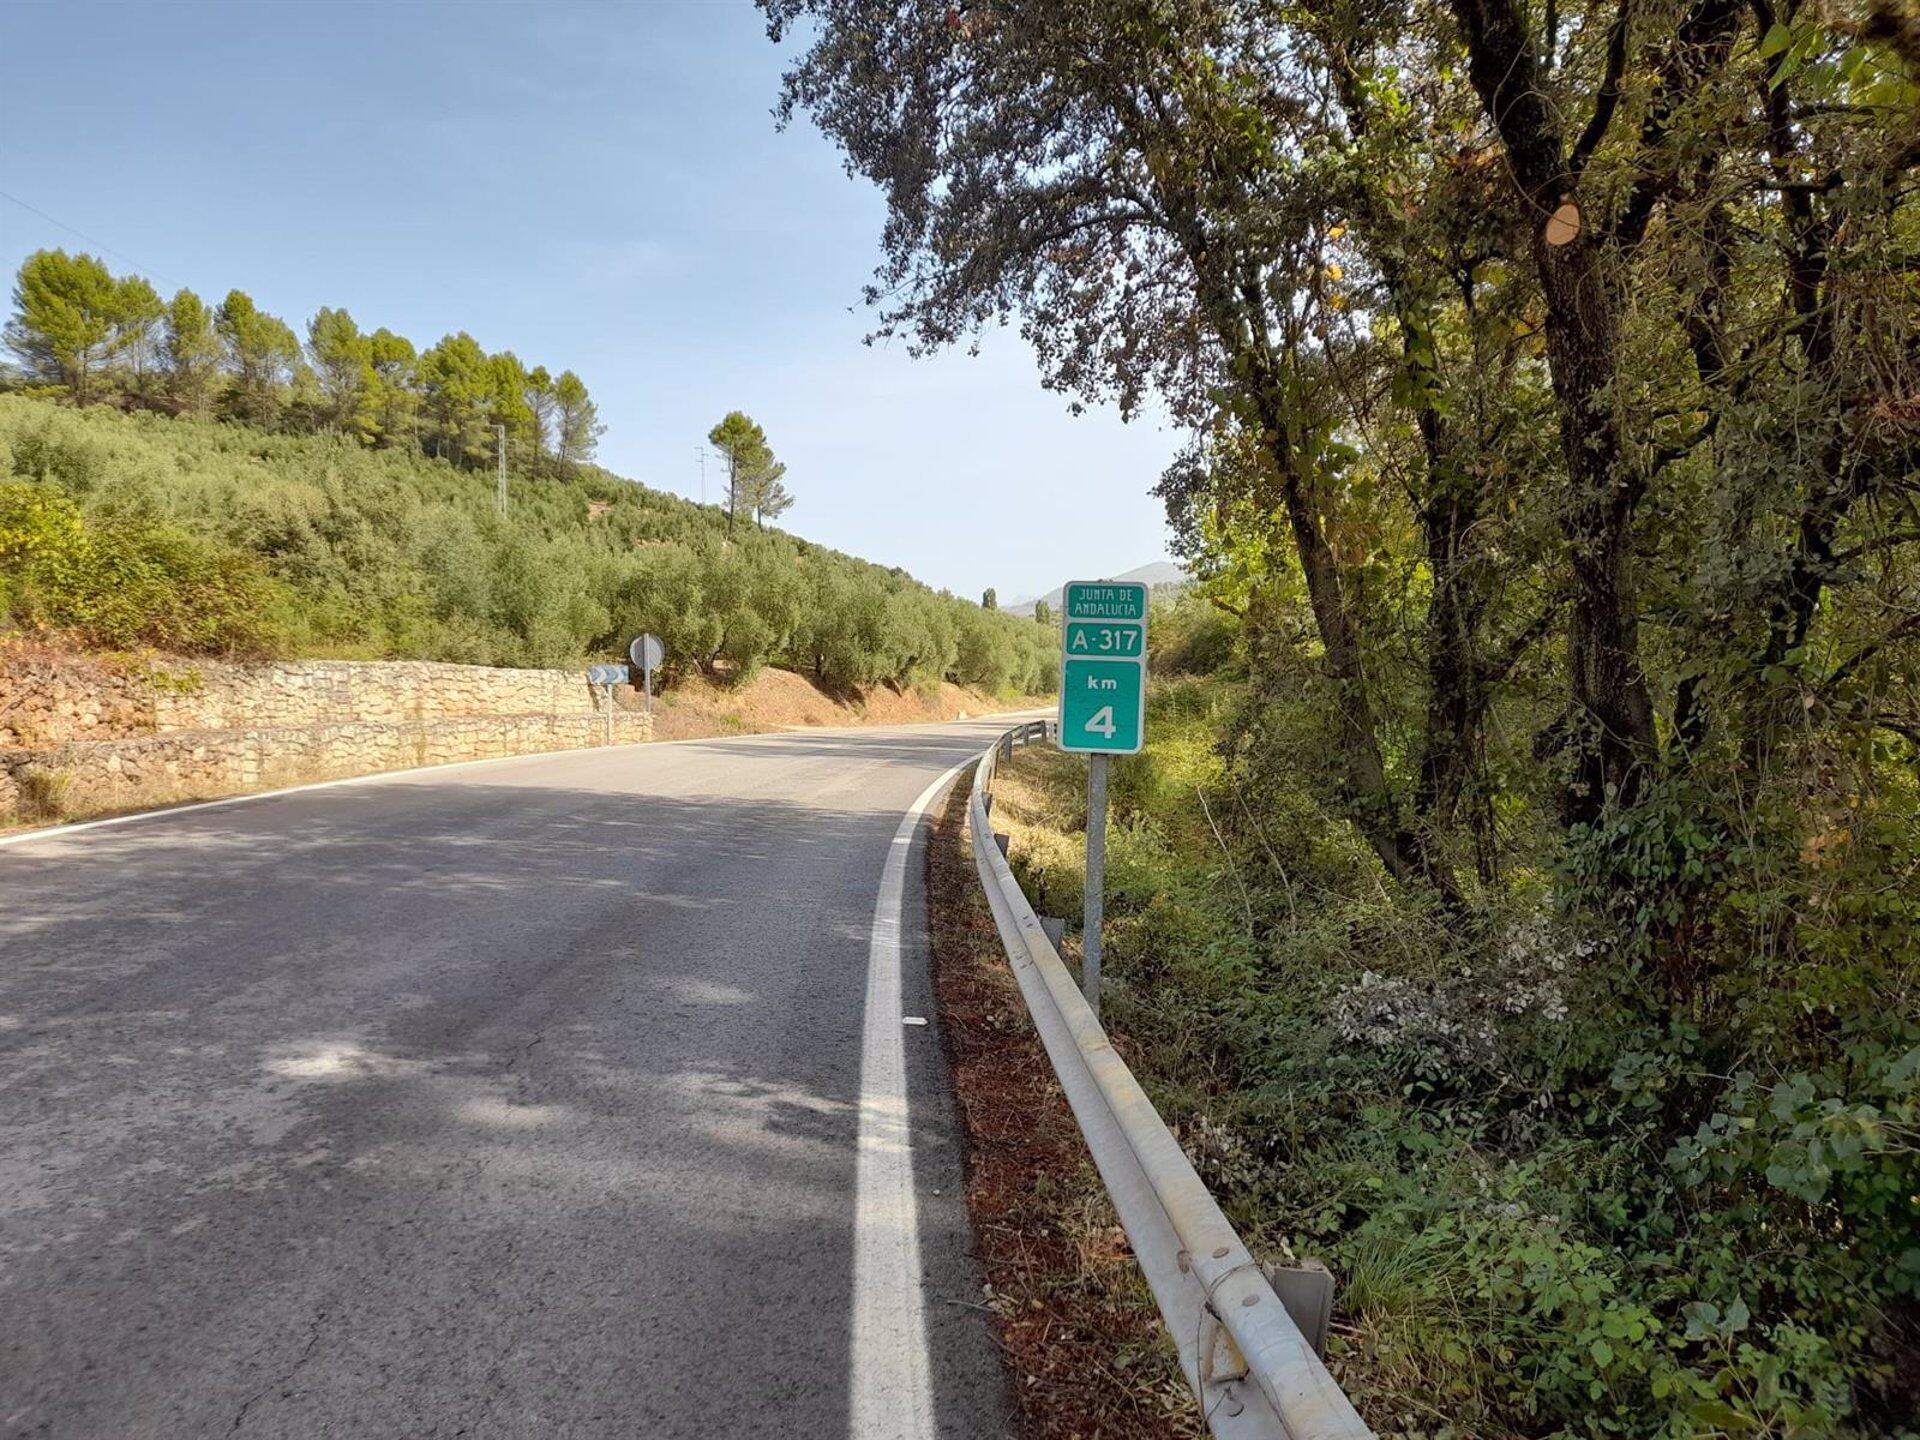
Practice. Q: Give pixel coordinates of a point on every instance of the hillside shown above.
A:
(123, 531)
(1160, 574)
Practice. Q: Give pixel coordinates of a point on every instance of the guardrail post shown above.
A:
(1307, 1292)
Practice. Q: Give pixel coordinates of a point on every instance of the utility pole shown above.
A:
(500, 451)
(700, 451)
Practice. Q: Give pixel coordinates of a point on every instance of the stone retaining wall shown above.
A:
(89, 777)
(47, 698)
(79, 735)
(339, 692)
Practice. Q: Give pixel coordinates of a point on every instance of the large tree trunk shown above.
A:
(1448, 511)
(1603, 644)
(1369, 796)
(1612, 732)
(1456, 694)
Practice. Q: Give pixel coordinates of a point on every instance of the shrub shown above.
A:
(130, 582)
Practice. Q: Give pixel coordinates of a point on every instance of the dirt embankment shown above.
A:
(783, 700)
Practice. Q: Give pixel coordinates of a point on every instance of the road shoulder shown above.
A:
(1077, 1331)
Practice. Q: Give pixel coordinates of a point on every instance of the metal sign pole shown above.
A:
(609, 691)
(1103, 712)
(647, 654)
(1093, 904)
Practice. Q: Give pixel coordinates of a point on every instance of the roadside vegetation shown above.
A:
(1517, 904)
(1553, 1205)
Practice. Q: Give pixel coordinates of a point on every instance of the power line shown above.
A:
(97, 244)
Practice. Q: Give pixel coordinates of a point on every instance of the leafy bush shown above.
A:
(126, 582)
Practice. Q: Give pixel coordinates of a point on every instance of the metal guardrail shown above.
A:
(1253, 1372)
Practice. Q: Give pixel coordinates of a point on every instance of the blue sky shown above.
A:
(593, 186)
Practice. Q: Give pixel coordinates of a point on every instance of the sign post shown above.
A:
(606, 677)
(1103, 712)
(647, 654)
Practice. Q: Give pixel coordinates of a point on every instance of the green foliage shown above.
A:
(1189, 635)
(343, 366)
(123, 582)
(97, 338)
(1531, 928)
(578, 419)
(71, 317)
(262, 351)
(1554, 1209)
(191, 352)
(755, 480)
(140, 530)
(455, 388)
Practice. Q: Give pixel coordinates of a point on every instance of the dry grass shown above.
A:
(1083, 1343)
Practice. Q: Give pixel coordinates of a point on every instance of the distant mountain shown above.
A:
(1159, 573)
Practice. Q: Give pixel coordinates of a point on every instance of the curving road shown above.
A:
(534, 1098)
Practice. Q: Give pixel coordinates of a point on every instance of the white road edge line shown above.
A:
(54, 832)
(891, 1392)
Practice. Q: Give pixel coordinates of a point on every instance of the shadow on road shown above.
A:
(487, 1109)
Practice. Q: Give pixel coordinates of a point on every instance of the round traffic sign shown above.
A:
(647, 652)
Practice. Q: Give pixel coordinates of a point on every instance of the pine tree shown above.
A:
(544, 409)
(455, 390)
(395, 401)
(137, 315)
(66, 307)
(771, 498)
(578, 418)
(755, 480)
(343, 362)
(190, 352)
(262, 352)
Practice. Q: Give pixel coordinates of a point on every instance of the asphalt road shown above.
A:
(520, 1099)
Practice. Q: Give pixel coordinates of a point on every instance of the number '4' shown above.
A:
(1101, 722)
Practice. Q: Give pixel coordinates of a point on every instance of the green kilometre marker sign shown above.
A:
(1103, 673)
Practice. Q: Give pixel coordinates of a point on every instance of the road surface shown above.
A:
(533, 1098)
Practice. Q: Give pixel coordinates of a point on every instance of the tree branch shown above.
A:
(1889, 541)
(1898, 725)
(1607, 100)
